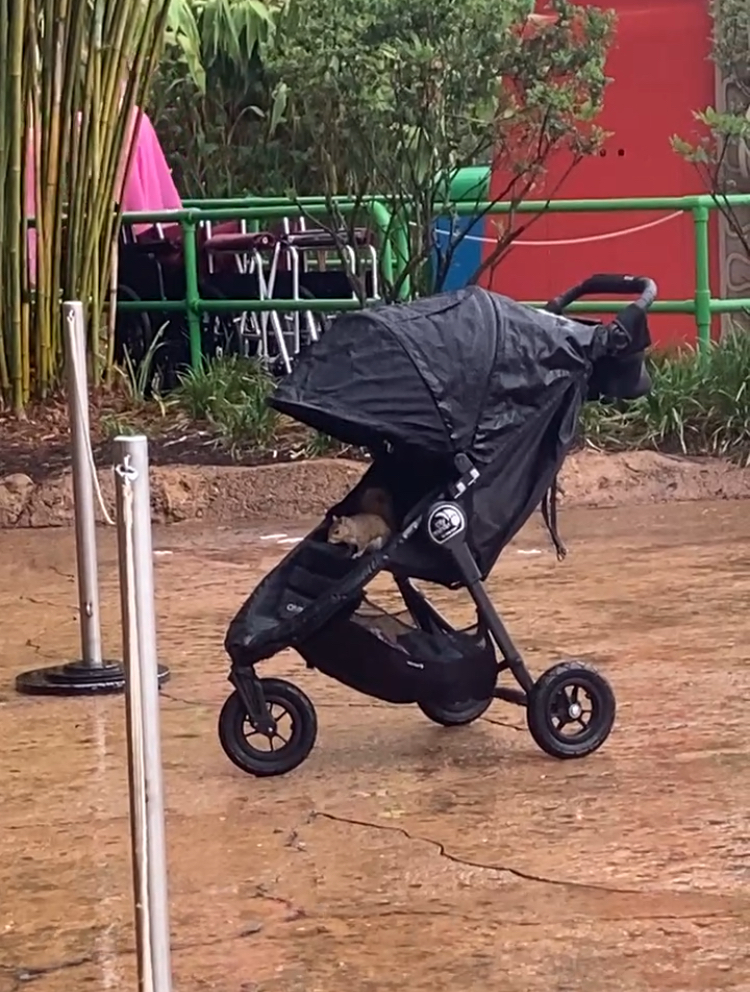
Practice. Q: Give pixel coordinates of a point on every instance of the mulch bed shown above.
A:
(39, 446)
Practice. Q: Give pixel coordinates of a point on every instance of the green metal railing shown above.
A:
(703, 305)
(394, 251)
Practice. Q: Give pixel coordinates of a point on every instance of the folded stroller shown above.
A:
(468, 403)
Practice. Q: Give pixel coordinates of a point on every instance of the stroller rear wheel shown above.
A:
(570, 710)
(455, 714)
(295, 727)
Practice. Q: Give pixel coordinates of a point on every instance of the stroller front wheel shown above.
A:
(455, 714)
(266, 754)
(571, 710)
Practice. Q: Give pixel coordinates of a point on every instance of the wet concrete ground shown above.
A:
(400, 855)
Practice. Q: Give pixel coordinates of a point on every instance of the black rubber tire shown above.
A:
(218, 328)
(456, 714)
(544, 706)
(318, 317)
(264, 764)
(133, 330)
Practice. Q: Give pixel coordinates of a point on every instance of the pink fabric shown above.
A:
(149, 184)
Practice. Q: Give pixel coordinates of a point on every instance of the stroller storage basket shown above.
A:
(386, 656)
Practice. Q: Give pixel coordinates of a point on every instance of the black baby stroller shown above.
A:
(468, 403)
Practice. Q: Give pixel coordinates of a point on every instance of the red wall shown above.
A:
(661, 73)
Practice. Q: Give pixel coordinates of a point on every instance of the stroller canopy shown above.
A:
(446, 374)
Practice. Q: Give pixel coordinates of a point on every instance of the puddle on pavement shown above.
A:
(399, 855)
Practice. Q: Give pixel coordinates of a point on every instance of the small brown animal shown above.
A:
(367, 530)
(378, 501)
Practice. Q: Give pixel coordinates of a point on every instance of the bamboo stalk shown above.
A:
(115, 84)
(79, 193)
(5, 118)
(70, 101)
(38, 149)
(14, 229)
(95, 234)
(57, 220)
(27, 150)
(101, 194)
(51, 204)
(145, 26)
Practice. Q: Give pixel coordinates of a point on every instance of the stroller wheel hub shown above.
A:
(570, 710)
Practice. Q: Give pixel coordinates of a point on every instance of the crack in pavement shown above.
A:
(65, 575)
(86, 818)
(21, 975)
(505, 921)
(179, 699)
(483, 866)
(294, 912)
(40, 602)
(501, 723)
(31, 974)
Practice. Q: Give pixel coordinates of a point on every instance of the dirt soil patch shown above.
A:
(230, 493)
(400, 855)
(39, 446)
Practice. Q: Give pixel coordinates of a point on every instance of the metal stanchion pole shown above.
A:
(83, 490)
(142, 704)
(91, 674)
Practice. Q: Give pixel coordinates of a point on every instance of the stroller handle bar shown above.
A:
(612, 284)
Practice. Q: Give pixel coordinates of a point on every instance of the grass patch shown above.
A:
(230, 394)
(322, 446)
(699, 405)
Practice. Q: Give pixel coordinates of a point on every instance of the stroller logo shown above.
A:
(446, 520)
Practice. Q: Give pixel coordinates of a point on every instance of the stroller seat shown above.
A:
(317, 581)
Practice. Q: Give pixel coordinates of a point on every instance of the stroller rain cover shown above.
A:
(468, 372)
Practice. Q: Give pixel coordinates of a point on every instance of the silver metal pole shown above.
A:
(142, 707)
(74, 332)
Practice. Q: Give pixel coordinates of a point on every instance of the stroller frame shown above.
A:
(545, 699)
(507, 441)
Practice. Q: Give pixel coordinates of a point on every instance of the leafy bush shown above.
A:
(718, 146)
(230, 393)
(210, 101)
(394, 97)
(386, 97)
(699, 405)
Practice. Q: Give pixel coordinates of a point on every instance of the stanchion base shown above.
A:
(77, 679)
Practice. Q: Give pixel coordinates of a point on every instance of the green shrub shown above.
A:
(230, 393)
(699, 404)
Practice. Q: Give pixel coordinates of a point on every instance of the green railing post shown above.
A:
(702, 277)
(400, 233)
(192, 292)
(382, 221)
